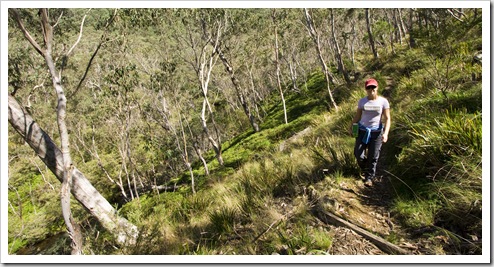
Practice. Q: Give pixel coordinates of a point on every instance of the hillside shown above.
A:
(270, 194)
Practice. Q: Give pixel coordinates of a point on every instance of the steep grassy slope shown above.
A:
(261, 201)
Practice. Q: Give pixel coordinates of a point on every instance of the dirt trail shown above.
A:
(369, 208)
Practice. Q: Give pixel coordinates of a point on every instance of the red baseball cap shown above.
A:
(371, 82)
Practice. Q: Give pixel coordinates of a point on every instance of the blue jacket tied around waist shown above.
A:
(368, 131)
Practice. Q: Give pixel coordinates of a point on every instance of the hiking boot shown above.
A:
(368, 182)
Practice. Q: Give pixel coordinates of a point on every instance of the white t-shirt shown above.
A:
(372, 111)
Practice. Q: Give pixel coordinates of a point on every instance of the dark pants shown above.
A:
(368, 154)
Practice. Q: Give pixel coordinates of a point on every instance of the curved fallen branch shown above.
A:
(382, 244)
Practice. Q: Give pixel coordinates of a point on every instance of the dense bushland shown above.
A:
(135, 128)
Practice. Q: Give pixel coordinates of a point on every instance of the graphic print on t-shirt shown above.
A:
(372, 107)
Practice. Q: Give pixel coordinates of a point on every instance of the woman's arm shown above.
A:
(387, 117)
(356, 118)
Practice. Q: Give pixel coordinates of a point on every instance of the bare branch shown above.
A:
(454, 15)
(79, 38)
(65, 57)
(58, 20)
(47, 30)
(25, 32)
(102, 41)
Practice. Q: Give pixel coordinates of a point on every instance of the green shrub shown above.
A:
(336, 155)
(436, 141)
(303, 239)
(223, 220)
(415, 213)
(442, 164)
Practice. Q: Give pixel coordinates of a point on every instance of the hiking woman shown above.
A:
(374, 120)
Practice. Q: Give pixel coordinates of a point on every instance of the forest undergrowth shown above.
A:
(264, 199)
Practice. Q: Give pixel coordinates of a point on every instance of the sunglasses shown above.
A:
(370, 87)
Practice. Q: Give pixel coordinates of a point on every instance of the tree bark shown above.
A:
(411, 38)
(258, 98)
(402, 23)
(399, 32)
(293, 72)
(82, 190)
(72, 227)
(277, 63)
(238, 90)
(339, 60)
(216, 145)
(197, 149)
(371, 36)
(392, 39)
(204, 74)
(352, 44)
(183, 151)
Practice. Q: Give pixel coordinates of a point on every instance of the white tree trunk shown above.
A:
(315, 38)
(72, 227)
(204, 74)
(277, 63)
(339, 60)
(369, 32)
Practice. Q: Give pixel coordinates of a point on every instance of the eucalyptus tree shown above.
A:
(122, 79)
(59, 160)
(248, 47)
(46, 52)
(81, 187)
(171, 105)
(350, 33)
(401, 23)
(202, 57)
(296, 60)
(179, 135)
(277, 54)
(163, 90)
(127, 83)
(370, 35)
(398, 24)
(175, 102)
(338, 54)
(449, 45)
(316, 38)
(212, 35)
(411, 31)
(384, 30)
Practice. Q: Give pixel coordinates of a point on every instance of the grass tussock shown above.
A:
(439, 160)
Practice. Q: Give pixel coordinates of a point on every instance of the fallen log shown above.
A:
(382, 244)
(82, 189)
(156, 188)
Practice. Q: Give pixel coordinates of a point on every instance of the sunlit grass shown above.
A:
(260, 199)
(416, 214)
